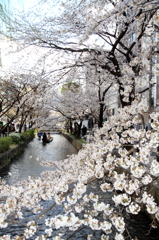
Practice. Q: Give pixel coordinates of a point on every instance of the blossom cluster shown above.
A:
(125, 177)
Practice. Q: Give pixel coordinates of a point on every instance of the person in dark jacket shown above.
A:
(44, 139)
(84, 130)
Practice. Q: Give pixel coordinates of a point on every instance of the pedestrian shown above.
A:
(84, 130)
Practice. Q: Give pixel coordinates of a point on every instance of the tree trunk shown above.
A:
(70, 126)
(77, 132)
(100, 119)
(121, 97)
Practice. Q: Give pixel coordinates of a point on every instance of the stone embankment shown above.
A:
(6, 158)
(73, 141)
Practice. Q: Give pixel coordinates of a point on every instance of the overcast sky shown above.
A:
(30, 3)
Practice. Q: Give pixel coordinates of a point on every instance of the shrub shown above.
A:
(19, 137)
(16, 138)
(31, 132)
(28, 133)
(24, 135)
(5, 144)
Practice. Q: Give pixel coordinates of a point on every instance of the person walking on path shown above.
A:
(84, 130)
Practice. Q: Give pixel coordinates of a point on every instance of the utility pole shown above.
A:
(151, 101)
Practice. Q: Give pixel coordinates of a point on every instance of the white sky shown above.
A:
(20, 5)
(9, 58)
(30, 3)
(38, 6)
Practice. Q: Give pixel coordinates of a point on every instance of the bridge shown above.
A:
(53, 130)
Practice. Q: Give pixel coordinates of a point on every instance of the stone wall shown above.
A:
(6, 158)
(73, 141)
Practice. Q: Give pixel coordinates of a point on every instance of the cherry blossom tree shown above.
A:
(71, 104)
(95, 162)
(98, 85)
(100, 34)
(124, 176)
(110, 40)
(18, 97)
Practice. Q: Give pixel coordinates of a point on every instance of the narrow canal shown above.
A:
(28, 164)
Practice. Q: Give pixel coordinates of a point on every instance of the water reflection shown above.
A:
(28, 162)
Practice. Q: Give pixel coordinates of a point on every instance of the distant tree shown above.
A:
(18, 95)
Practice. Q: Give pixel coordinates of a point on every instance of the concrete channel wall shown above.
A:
(73, 141)
(6, 158)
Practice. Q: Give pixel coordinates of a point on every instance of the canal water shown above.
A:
(28, 164)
